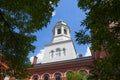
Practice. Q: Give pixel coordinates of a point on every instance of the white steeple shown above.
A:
(61, 47)
(61, 32)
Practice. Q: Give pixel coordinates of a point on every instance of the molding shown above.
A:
(61, 35)
(65, 62)
(58, 43)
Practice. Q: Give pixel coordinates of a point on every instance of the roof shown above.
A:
(71, 61)
(61, 22)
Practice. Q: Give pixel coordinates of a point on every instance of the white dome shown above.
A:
(61, 22)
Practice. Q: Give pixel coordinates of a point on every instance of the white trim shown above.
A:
(44, 74)
(35, 74)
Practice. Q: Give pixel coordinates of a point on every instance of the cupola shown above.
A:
(61, 32)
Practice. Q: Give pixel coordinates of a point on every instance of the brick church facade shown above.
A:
(59, 57)
(54, 70)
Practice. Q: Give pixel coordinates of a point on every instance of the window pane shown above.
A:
(35, 77)
(65, 31)
(58, 76)
(46, 77)
(59, 31)
(64, 51)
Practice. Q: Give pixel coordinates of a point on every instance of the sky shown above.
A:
(69, 12)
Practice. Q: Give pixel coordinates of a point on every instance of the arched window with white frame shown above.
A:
(46, 77)
(51, 54)
(64, 51)
(57, 76)
(58, 52)
(58, 31)
(35, 77)
(65, 31)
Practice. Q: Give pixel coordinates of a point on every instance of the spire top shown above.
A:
(61, 22)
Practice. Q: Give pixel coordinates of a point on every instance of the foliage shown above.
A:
(82, 37)
(103, 21)
(105, 69)
(76, 75)
(39, 10)
(19, 19)
(99, 17)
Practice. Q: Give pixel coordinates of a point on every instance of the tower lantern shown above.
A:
(61, 32)
(61, 46)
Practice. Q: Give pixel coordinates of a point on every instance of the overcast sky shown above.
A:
(67, 11)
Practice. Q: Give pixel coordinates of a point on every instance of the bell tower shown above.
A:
(61, 46)
(61, 32)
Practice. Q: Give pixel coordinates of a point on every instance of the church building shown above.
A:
(59, 57)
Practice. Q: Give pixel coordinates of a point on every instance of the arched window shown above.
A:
(64, 51)
(65, 31)
(59, 31)
(57, 76)
(58, 52)
(35, 77)
(52, 51)
(46, 77)
(51, 54)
